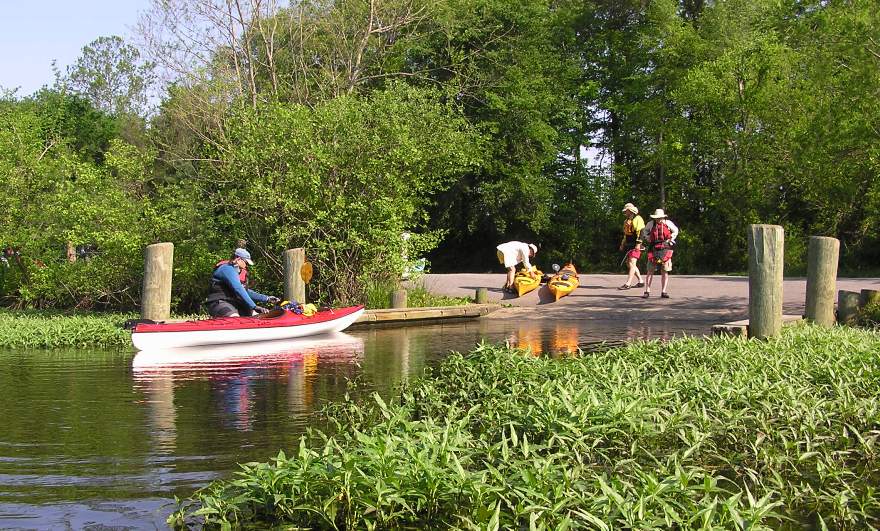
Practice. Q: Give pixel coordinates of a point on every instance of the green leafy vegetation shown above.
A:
(340, 126)
(869, 315)
(716, 433)
(41, 330)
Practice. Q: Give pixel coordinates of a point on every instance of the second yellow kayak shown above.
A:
(564, 281)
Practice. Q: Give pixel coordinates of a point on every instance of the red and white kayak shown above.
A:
(277, 324)
(334, 347)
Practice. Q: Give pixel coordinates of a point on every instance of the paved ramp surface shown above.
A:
(710, 299)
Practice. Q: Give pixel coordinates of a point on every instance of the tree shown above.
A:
(344, 179)
(112, 75)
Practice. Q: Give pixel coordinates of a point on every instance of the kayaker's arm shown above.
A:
(229, 275)
(525, 254)
(257, 296)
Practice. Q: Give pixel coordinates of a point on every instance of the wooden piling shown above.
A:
(481, 296)
(822, 257)
(294, 285)
(156, 294)
(847, 306)
(766, 245)
(398, 298)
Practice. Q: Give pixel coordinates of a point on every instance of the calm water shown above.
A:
(92, 439)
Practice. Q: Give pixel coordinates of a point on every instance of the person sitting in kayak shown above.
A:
(632, 245)
(229, 295)
(512, 253)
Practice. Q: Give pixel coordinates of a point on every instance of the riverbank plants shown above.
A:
(720, 433)
(19, 329)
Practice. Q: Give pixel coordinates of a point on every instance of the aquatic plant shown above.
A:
(20, 329)
(714, 433)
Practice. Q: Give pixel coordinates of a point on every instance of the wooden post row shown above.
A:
(481, 296)
(822, 256)
(294, 285)
(156, 293)
(847, 306)
(766, 245)
(398, 298)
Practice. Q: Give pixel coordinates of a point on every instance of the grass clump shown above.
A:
(378, 296)
(715, 433)
(21, 329)
(870, 315)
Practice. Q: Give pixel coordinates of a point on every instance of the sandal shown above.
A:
(664, 295)
(646, 295)
(640, 285)
(625, 286)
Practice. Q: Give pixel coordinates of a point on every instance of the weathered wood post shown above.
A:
(156, 295)
(869, 296)
(481, 296)
(294, 285)
(766, 245)
(821, 279)
(847, 306)
(398, 298)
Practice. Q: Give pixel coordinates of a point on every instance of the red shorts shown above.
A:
(634, 253)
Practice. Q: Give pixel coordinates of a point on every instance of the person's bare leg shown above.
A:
(629, 273)
(510, 273)
(664, 281)
(634, 275)
(649, 276)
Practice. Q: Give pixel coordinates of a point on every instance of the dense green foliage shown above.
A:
(719, 433)
(38, 330)
(340, 125)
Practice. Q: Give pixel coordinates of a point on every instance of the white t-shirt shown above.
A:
(515, 252)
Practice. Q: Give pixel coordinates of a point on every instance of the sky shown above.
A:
(33, 33)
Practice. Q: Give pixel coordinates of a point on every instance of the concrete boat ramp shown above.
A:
(696, 299)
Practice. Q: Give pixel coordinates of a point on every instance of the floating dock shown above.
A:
(423, 315)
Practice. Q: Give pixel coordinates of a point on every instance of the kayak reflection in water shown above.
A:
(229, 295)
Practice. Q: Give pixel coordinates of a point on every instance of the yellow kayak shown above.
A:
(523, 283)
(564, 281)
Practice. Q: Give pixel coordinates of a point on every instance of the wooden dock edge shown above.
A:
(420, 315)
(741, 328)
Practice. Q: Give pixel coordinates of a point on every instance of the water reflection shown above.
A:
(562, 339)
(92, 438)
(235, 375)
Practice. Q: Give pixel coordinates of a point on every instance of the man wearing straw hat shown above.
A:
(632, 245)
(512, 253)
(659, 235)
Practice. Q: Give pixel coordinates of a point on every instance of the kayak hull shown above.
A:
(563, 282)
(229, 330)
(523, 283)
(337, 346)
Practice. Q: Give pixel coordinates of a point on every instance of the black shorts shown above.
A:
(224, 308)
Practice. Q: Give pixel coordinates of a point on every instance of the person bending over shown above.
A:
(512, 253)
